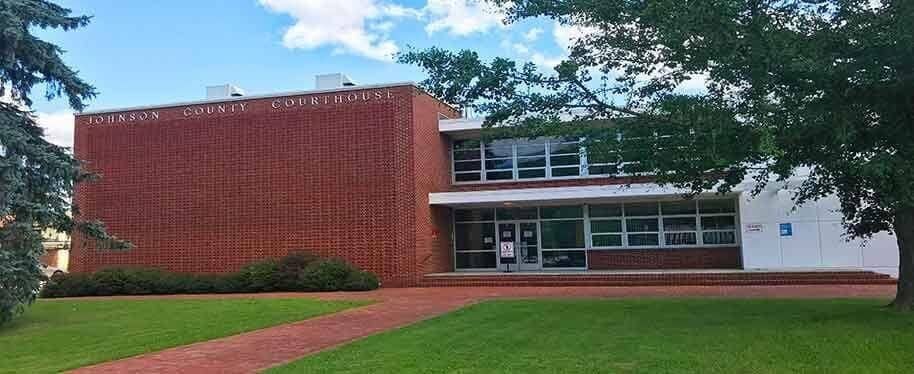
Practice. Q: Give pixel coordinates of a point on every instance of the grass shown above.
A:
(638, 336)
(64, 334)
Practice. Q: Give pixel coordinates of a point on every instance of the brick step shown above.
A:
(660, 279)
(811, 275)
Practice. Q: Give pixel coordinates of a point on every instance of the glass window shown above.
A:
(641, 240)
(562, 234)
(603, 169)
(566, 172)
(717, 206)
(670, 208)
(467, 166)
(606, 226)
(469, 215)
(641, 209)
(680, 238)
(474, 236)
(508, 214)
(532, 173)
(641, 225)
(475, 260)
(564, 259)
(607, 240)
(467, 177)
(679, 224)
(719, 237)
(562, 212)
(499, 175)
(606, 210)
(718, 223)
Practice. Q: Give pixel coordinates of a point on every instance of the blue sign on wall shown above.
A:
(786, 229)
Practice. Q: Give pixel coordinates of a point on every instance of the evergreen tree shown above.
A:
(36, 177)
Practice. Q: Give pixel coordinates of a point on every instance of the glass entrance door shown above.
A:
(525, 236)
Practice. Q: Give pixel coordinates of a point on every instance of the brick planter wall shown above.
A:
(685, 258)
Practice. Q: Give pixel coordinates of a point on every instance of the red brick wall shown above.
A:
(683, 258)
(212, 192)
(434, 253)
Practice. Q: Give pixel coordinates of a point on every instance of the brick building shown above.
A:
(395, 181)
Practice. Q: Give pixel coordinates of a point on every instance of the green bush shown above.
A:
(290, 266)
(260, 276)
(325, 275)
(295, 272)
(361, 281)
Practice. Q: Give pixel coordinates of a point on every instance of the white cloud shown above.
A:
(462, 17)
(341, 24)
(533, 34)
(58, 127)
(566, 35)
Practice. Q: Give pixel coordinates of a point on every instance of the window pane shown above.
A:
(466, 155)
(607, 210)
(564, 259)
(467, 165)
(613, 240)
(474, 236)
(635, 240)
(719, 237)
(562, 211)
(565, 160)
(499, 175)
(467, 177)
(464, 215)
(680, 238)
(677, 207)
(531, 150)
(679, 224)
(559, 148)
(604, 226)
(641, 225)
(515, 213)
(566, 172)
(466, 144)
(531, 162)
(641, 209)
(499, 164)
(717, 206)
(718, 223)
(563, 234)
(531, 173)
(603, 170)
(498, 152)
(475, 260)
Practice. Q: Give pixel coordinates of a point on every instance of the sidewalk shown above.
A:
(261, 349)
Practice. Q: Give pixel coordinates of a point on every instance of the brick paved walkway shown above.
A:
(261, 349)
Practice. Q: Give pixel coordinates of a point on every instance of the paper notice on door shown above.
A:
(488, 240)
(528, 234)
(506, 234)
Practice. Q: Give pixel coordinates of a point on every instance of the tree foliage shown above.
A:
(36, 177)
(820, 85)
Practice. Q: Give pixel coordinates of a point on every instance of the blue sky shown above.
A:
(145, 52)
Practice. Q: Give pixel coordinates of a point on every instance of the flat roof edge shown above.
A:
(250, 97)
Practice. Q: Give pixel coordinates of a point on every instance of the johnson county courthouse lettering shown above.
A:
(395, 181)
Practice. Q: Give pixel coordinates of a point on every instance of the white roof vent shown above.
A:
(331, 81)
(223, 91)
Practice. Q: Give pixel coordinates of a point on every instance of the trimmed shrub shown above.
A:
(295, 272)
(361, 281)
(325, 275)
(260, 276)
(290, 266)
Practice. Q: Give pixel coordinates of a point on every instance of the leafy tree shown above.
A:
(820, 85)
(36, 177)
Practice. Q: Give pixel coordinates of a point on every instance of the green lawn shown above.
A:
(63, 334)
(641, 336)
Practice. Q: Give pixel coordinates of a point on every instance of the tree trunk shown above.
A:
(904, 232)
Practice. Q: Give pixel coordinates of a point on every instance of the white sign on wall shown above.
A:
(507, 250)
(755, 227)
